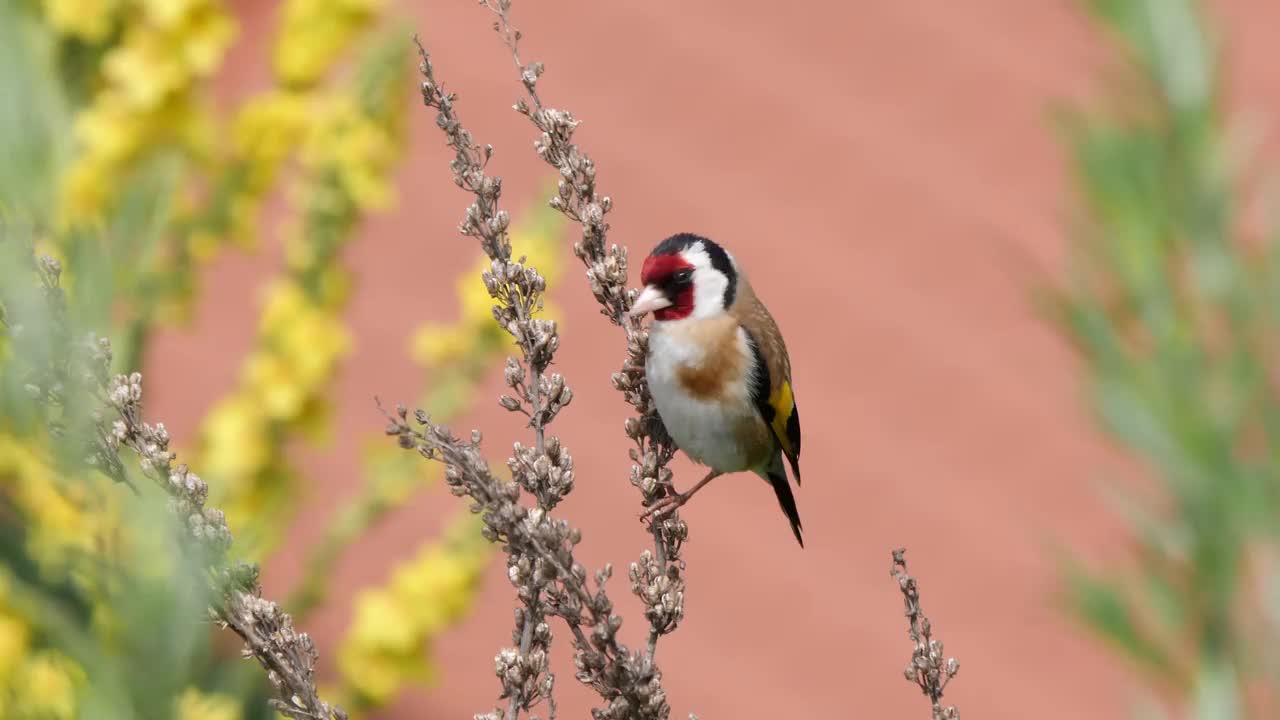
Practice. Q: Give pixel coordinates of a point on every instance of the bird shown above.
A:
(718, 369)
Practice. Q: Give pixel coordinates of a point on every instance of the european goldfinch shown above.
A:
(718, 369)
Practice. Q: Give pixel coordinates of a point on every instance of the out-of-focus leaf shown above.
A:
(33, 117)
(1108, 612)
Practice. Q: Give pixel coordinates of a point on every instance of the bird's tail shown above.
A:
(777, 477)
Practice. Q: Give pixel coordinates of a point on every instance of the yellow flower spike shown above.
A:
(393, 624)
(194, 704)
(89, 20)
(145, 102)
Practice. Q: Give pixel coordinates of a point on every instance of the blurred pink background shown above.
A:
(887, 175)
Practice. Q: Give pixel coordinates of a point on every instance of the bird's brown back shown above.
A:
(753, 315)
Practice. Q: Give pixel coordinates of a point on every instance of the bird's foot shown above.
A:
(665, 506)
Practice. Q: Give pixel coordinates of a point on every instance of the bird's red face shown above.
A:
(668, 287)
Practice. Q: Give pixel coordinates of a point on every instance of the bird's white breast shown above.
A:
(710, 430)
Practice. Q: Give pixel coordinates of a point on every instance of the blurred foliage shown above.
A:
(126, 163)
(1172, 305)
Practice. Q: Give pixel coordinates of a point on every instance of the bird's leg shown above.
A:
(675, 500)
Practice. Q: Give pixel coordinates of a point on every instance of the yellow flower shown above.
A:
(376, 678)
(385, 645)
(335, 286)
(285, 301)
(146, 100)
(477, 305)
(143, 70)
(108, 129)
(89, 20)
(314, 33)
(193, 704)
(382, 622)
(168, 13)
(235, 439)
(267, 129)
(275, 385)
(58, 524)
(204, 39)
(360, 150)
(434, 345)
(197, 130)
(14, 637)
(363, 153)
(443, 577)
(48, 681)
(204, 244)
(312, 423)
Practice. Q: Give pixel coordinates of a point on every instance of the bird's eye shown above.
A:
(683, 275)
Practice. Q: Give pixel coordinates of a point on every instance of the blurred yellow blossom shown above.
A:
(386, 644)
(89, 20)
(267, 130)
(349, 147)
(237, 429)
(314, 33)
(49, 683)
(193, 704)
(147, 98)
(65, 518)
(14, 637)
(359, 149)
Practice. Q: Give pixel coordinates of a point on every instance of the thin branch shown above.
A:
(927, 669)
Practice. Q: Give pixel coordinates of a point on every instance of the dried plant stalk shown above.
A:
(658, 577)
(927, 669)
(539, 547)
(289, 657)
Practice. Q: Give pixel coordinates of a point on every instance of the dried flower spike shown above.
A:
(927, 668)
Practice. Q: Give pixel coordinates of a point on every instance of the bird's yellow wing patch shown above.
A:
(783, 404)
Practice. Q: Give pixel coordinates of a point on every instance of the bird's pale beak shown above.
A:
(649, 300)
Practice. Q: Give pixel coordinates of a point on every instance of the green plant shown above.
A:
(1171, 303)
